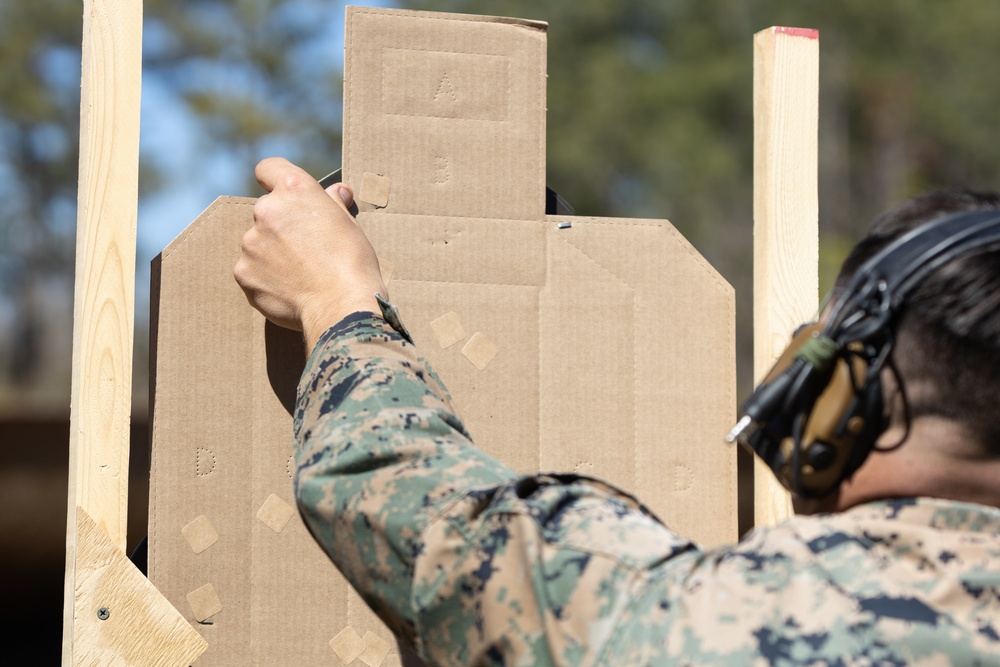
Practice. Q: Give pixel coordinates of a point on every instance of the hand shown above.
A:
(306, 264)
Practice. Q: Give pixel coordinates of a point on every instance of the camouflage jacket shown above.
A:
(473, 564)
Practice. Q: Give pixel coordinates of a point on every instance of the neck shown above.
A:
(937, 459)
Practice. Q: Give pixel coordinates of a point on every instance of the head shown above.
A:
(947, 351)
(942, 379)
(893, 392)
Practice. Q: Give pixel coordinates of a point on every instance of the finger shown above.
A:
(274, 171)
(264, 171)
(341, 193)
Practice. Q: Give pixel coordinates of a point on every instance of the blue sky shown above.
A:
(172, 140)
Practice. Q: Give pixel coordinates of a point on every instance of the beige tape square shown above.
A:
(204, 602)
(200, 534)
(480, 350)
(275, 513)
(348, 645)
(448, 329)
(385, 267)
(376, 650)
(374, 190)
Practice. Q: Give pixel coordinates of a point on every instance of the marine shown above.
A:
(894, 562)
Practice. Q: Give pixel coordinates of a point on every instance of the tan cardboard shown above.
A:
(602, 346)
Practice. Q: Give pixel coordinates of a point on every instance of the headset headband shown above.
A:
(881, 285)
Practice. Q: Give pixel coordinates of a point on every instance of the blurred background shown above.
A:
(649, 115)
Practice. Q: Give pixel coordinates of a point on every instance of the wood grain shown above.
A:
(120, 617)
(786, 212)
(143, 628)
(104, 298)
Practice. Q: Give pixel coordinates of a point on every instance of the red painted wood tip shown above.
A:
(808, 33)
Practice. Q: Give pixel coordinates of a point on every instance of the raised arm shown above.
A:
(459, 556)
(380, 457)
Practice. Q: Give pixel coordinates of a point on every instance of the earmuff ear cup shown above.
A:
(828, 398)
(871, 407)
(842, 426)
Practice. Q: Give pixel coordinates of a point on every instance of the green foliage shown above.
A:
(911, 86)
(651, 111)
(254, 74)
(650, 114)
(244, 74)
(647, 106)
(654, 99)
(39, 111)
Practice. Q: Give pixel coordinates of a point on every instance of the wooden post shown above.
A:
(786, 212)
(112, 615)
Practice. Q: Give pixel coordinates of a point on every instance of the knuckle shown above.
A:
(247, 240)
(293, 180)
(240, 271)
(261, 208)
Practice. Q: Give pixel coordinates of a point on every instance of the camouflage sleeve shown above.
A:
(378, 452)
(459, 556)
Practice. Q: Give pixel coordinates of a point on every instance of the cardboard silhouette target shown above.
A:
(596, 345)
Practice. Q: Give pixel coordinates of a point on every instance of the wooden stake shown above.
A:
(101, 584)
(786, 212)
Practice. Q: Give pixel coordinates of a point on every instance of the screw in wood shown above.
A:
(103, 613)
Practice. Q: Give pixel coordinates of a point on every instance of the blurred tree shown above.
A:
(908, 95)
(37, 168)
(257, 74)
(647, 105)
(650, 114)
(650, 104)
(247, 73)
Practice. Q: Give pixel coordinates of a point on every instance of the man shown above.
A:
(472, 564)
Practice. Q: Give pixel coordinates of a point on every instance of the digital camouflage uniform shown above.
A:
(473, 564)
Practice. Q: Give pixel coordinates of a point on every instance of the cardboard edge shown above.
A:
(155, 283)
(531, 24)
(355, 13)
(564, 224)
(155, 288)
(205, 215)
(666, 225)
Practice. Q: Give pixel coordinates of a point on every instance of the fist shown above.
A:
(306, 264)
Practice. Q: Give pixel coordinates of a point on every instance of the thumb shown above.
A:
(341, 192)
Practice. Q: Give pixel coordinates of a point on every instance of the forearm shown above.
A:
(468, 562)
(380, 453)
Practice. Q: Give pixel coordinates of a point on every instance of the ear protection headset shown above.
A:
(817, 414)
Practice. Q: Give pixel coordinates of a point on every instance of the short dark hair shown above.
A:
(947, 348)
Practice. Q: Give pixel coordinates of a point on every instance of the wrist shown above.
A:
(317, 318)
